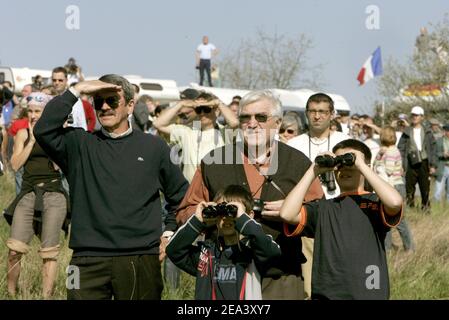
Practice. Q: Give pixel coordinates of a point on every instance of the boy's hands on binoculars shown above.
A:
(318, 169)
(199, 213)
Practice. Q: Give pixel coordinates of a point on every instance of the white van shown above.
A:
(20, 77)
(164, 91)
(224, 94)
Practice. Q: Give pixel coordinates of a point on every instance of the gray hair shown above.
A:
(127, 87)
(291, 120)
(258, 95)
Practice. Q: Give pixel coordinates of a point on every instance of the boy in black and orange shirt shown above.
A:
(349, 255)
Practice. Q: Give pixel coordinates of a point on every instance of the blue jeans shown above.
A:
(404, 230)
(442, 184)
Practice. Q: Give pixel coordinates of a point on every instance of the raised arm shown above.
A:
(230, 117)
(21, 152)
(162, 123)
(49, 130)
(291, 208)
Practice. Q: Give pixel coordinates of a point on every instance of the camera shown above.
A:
(220, 210)
(327, 161)
(258, 205)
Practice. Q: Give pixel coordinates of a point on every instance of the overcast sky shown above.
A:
(157, 39)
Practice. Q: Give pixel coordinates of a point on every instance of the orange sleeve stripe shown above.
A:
(300, 226)
(384, 219)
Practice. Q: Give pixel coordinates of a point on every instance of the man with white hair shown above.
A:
(267, 168)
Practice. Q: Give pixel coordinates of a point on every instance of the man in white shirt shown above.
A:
(320, 111)
(204, 53)
(77, 118)
(203, 135)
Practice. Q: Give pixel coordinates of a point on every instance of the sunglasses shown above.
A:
(289, 131)
(205, 109)
(112, 102)
(260, 117)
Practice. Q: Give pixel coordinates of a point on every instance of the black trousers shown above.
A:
(122, 278)
(418, 173)
(205, 65)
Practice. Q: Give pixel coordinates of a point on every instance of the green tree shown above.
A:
(422, 79)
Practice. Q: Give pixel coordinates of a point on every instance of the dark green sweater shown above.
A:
(114, 184)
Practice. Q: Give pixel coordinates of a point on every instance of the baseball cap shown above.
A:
(402, 116)
(417, 110)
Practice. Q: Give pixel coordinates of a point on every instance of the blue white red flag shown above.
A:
(371, 68)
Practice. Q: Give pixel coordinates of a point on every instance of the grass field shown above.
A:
(423, 274)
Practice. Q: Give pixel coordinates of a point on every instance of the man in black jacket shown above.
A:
(115, 177)
(417, 147)
(269, 170)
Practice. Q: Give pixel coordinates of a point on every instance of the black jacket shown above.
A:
(220, 273)
(428, 145)
(114, 184)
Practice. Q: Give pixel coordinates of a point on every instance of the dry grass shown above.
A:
(423, 274)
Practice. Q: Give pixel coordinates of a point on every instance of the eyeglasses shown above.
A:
(113, 102)
(260, 117)
(205, 109)
(57, 80)
(321, 113)
(289, 131)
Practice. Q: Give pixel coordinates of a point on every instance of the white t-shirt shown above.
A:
(79, 117)
(316, 146)
(206, 50)
(417, 138)
(195, 145)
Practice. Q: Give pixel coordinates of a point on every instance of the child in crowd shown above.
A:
(228, 264)
(349, 259)
(388, 166)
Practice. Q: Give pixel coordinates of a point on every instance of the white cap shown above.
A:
(417, 110)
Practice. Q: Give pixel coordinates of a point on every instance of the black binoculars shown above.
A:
(258, 205)
(220, 210)
(327, 161)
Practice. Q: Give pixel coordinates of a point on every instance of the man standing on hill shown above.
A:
(204, 54)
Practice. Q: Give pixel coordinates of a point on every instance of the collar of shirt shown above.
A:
(120, 135)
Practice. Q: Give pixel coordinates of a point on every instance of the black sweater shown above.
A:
(114, 184)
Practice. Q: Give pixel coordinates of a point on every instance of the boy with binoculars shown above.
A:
(349, 260)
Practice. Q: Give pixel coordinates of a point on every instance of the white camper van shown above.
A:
(224, 94)
(20, 77)
(164, 91)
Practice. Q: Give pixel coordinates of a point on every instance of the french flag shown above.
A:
(371, 68)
